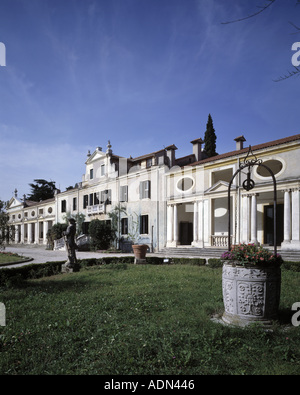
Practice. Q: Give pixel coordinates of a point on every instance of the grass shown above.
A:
(128, 319)
(9, 257)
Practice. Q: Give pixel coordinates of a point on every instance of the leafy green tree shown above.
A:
(41, 190)
(115, 215)
(102, 234)
(55, 233)
(79, 219)
(210, 138)
(6, 231)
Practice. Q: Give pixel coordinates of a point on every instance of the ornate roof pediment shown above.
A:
(96, 155)
(220, 186)
(14, 202)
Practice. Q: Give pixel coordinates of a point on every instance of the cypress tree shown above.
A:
(210, 138)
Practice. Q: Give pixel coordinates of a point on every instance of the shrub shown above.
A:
(215, 263)
(291, 265)
(102, 235)
(16, 275)
(189, 261)
(55, 233)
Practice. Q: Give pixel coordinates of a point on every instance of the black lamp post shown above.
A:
(249, 184)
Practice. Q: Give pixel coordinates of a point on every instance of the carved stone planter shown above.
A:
(251, 294)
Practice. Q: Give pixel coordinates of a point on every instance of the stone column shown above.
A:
(36, 233)
(29, 233)
(287, 216)
(170, 218)
(200, 223)
(254, 218)
(246, 219)
(17, 234)
(22, 233)
(296, 218)
(45, 230)
(175, 226)
(195, 235)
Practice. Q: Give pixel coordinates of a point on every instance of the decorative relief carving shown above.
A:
(228, 296)
(250, 298)
(250, 293)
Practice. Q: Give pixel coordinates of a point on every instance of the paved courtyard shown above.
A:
(41, 255)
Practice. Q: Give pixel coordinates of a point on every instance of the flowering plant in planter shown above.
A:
(251, 254)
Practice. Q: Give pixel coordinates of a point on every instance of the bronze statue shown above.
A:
(69, 236)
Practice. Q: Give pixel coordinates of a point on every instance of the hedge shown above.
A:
(291, 265)
(215, 262)
(16, 275)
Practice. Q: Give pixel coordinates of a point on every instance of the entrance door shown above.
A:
(185, 233)
(269, 224)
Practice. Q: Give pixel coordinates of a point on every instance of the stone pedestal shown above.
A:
(251, 294)
(136, 260)
(67, 268)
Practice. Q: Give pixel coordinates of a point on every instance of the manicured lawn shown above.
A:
(8, 257)
(129, 319)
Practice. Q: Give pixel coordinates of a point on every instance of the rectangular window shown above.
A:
(149, 162)
(124, 193)
(106, 196)
(63, 206)
(91, 174)
(124, 226)
(85, 201)
(91, 199)
(74, 204)
(96, 198)
(144, 224)
(102, 170)
(145, 190)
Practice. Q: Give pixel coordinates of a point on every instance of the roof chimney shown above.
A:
(171, 154)
(197, 148)
(239, 142)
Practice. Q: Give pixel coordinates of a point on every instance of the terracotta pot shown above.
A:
(251, 294)
(140, 250)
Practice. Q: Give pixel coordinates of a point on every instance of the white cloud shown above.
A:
(22, 162)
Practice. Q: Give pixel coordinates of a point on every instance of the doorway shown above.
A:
(186, 233)
(269, 225)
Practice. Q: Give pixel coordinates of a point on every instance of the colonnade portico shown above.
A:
(198, 210)
(32, 232)
(31, 220)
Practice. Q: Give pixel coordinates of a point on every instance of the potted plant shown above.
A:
(251, 281)
(139, 250)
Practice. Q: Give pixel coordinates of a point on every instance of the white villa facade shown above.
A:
(174, 202)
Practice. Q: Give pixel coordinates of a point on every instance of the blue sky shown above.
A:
(143, 74)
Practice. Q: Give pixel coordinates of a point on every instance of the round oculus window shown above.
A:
(275, 165)
(185, 184)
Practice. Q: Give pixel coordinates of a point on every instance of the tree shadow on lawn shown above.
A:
(285, 316)
(56, 284)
